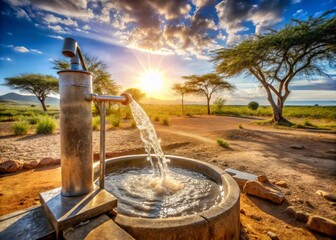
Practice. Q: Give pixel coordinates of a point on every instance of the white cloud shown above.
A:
(51, 19)
(20, 13)
(35, 51)
(9, 33)
(86, 27)
(5, 59)
(56, 37)
(58, 29)
(21, 49)
(296, 1)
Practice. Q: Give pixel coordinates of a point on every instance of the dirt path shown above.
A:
(254, 149)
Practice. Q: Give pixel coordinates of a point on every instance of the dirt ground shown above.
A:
(253, 149)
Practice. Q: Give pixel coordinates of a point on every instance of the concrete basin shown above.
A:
(219, 222)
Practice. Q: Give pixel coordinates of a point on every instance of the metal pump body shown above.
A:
(76, 124)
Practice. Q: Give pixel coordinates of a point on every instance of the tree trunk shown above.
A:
(208, 102)
(42, 99)
(277, 108)
(182, 106)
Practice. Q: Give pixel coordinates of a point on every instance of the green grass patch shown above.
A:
(96, 123)
(114, 120)
(222, 143)
(20, 128)
(46, 125)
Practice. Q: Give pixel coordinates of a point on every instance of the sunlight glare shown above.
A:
(151, 82)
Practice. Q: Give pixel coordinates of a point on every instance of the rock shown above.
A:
(329, 196)
(333, 204)
(256, 217)
(214, 161)
(264, 190)
(302, 216)
(242, 211)
(31, 164)
(263, 178)
(281, 183)
(57, 161)
(300, 147)
(47, 161)
(309, 204)
(10, 166)
(272, 235)
(322, 225)
(290, 211)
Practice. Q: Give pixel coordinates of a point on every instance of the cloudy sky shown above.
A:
(149, 40)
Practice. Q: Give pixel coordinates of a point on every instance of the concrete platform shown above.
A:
(30, 223)
(102, 228)
(65, 212)
(241, 177)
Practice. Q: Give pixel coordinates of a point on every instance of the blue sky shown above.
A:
(172, 37)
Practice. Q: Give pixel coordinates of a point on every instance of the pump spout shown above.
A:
(124, 98)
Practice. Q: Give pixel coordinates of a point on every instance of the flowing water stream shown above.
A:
(159, 191)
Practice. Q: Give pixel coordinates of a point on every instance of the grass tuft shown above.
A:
(223, 143)
(165, 121)
(96, 123)
(46, 125)
(20, 128)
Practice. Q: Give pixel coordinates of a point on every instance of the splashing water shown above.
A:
(150, 140)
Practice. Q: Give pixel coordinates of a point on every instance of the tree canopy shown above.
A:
(302, 48)
(136, 93)
(206, 85)
(39, 85)
(102, 81)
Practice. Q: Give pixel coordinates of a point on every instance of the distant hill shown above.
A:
(155, 101)
(27, 99)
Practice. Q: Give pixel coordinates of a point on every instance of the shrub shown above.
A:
(20, 128)
(34, 120)
(32, 105)
(96, 123)
(157, 119)
(222, 143)
(114, 120)
(241, 126)
(253, 105)
(219, 103)
(165, 121)
(46, 125)
(133, 124)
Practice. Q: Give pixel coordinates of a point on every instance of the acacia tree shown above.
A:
(39, 85)
(301, 48)
(206, 85)
(102, 82)
(136, 93)
(181, 89)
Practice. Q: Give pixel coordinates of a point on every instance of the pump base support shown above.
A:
(64, 212)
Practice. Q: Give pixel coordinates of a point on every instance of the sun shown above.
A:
(151, 82)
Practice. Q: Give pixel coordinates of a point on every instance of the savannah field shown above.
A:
(251, 145)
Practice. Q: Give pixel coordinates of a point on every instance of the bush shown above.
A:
(46, 125)
(222, 143)
(95, 123)
(253, 105)
(157, 119)
(219, 103)
(32, 105)
(165, 121)
(133, 124)
(114, 121)
(20, 128)
(240, 126)
(34, 120)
